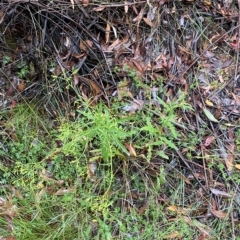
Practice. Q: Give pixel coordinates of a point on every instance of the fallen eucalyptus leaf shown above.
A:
(209, 115)
(220, 193)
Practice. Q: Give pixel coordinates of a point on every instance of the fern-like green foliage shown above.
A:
(96, 129)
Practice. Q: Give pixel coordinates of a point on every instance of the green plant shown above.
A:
(6, 59)
(95, 129)
(23, 69)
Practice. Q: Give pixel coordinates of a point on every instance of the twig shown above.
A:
(238, 45)
(197, 58)
(189, 168)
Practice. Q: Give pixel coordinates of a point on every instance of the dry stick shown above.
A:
(238, 26)
(203, 159)
(202, 152)
(204, 167)
(235, 84)
(238, 45)
(188, 166)
(179, 154)
(192, 64)
(120, 4)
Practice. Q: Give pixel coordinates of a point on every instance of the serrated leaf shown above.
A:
(209, 115)
(162, 154)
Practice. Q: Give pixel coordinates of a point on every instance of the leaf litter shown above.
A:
(155, 46)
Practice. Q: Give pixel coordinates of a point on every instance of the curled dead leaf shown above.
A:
(219, 214)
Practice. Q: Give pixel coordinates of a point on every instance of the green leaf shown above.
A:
(162, 154)
(210, 116)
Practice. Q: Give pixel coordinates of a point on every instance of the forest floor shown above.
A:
(119, 120)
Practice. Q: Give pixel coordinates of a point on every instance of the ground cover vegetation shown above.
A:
(119, 119)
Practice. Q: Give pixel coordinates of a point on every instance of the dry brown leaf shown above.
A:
(178, 210)
(219, 214)
(63, 191)
(12, 134)
(75, 80)
(208, 141)
(16, 193)
(89, 43)
(229, 164)
(58, 70)
(148, 22)
(236, 99)
(218, 112)
(138, 66)
(108, 30)
(85, 2)
(39, 195)
(92, 166)
(172, 208)
(237, 166)
(99, 8)
(134, 106)
(172, 235)
(208, 54)
(44, 174)
(204, 229)
(67, 42)
(140, 15)
(21, 86)
(220, 193)
(83, 45)
(95, 89)
(235, 46)
(204, 237)
(2, 15)
(143, 209)
(208, 88)
(8, 238)
(72, 2)
(230, 155)
(113, 45)
(151, 13)
(186, 180)
(13, 86)
(7, 208)
(126, 7)
(131, 150)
